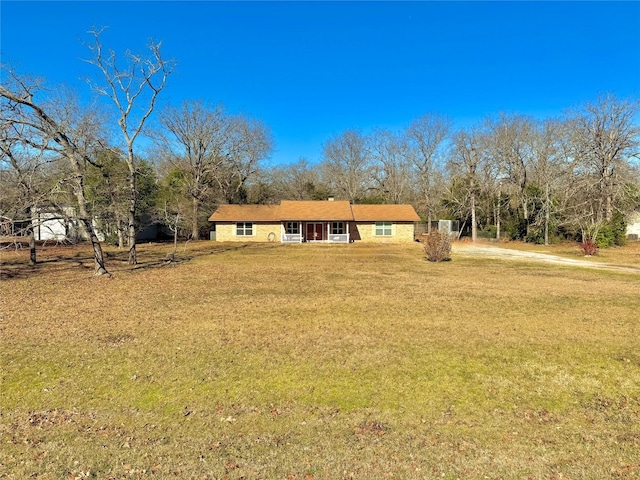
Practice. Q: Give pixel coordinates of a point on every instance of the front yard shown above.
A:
(316, 361)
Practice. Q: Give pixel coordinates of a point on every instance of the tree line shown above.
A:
(508, 176)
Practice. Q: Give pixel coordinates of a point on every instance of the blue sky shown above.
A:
(311, 70)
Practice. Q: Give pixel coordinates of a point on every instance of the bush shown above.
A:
(535, 235)
(437, 247)
(612, 233)
(515, 228)
(589, 247)
(605, 237)
(488, 232)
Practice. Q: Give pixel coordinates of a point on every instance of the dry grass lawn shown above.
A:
(629, 255)
(316, 362)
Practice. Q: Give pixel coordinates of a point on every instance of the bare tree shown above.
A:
(249, 143)
(214, 153)
(347, 165)
(107, 192)
(509, 139)
(197, 140)
(58, 127)
(606, 140)
(133, 90)
(172, 206)
(549, 168)
(391, 170)
(426, 147)
(490, 181)
(298, 181)
(465, 160)
(21, 180)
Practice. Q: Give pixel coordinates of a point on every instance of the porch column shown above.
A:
(347, 231)
(328, 231)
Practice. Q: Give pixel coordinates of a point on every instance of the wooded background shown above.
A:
(123, 163)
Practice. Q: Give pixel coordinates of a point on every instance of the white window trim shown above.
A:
(384, 228)
(293, 224)
(253, 229)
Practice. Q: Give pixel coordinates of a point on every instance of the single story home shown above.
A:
(314, 221)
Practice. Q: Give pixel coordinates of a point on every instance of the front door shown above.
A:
(314, 232)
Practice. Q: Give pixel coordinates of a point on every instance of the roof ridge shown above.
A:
(315, 210)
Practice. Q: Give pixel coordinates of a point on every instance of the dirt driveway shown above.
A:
(490, 251)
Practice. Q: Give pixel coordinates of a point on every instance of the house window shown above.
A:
(337, 228)
(383, 229)
(244, 229)
(293, 228)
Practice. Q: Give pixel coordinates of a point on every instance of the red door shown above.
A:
(314, 232)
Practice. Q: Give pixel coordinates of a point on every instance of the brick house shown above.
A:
(326, 221)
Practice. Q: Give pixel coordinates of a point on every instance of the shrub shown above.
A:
(488, 232)
(589, 247)
(437, 247)
(605, 237)
(612, 233)
(515, 228)
(535, 235)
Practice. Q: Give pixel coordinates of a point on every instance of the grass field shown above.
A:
(317, 362)
(629, 255)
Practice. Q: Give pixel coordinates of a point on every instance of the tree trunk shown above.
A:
(608, 206)
(429, 222)
(32, 247)
(498, 215)
(95, 243)
(194, 224)
(474, 223)
(32, 239)
(131, 227)
(119, 223)
(175, 240)
(546, 214)
(525, 213)
(98, 257)
(120, 228)
(85, 218)
(131, 238)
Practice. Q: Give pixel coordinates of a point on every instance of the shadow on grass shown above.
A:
(68, 258)
(22, 270)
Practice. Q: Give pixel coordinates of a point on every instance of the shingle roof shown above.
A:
(398, 213)
(245, 213)
(315, 210)
(339, 210)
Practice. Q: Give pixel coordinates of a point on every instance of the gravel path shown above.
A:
(490, 251)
